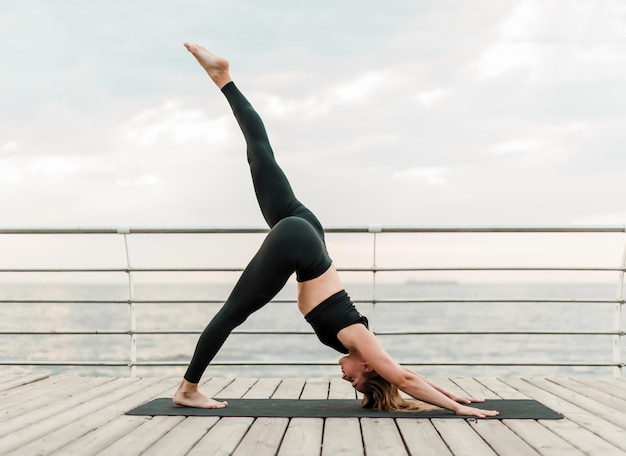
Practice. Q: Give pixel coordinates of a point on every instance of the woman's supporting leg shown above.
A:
(291, 245)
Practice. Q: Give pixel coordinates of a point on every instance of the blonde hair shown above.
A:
(385, 397)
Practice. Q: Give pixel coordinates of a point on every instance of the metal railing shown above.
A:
(132, 362)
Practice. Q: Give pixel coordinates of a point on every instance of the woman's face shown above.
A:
(353, 368)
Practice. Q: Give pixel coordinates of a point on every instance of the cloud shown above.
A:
(147, 180)
(551, 37)
(34, 170)
(519, 146)
(431, 98)
(9, 173)
(502, 57)
(53, 168)
(452, 95)
(361, 86)
(10, 146)
(432, 175)
(308, 107)
(171, 123)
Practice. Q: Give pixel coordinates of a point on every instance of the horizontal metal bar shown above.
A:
(293, 363)
(120, 270)
(262, 332)
(404, 363)
(500, 333)
(488, 268)
(68, 363)
(289, 301)
(337, 229)
(345, 269)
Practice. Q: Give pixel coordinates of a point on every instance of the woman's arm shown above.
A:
(357, 337)
(454, 397)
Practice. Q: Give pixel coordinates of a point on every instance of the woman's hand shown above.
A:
(472, 411)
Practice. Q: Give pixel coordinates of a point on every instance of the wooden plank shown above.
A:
(461, 438)
(223, 438)
(541, 438)
(608, 394)
(263, 437)
(533, 433)
(500, 388)
(237, 388)
(32, 386)
(342, 436)
(39, 422)
(447, 384)
(581, 438)
(607, 431)
(214, 386)
(66, 400)
(597, 408)
(57, 394)
(341, 389)
(316, 388)
(183, 437)
(471, 387)
(106, 423)
(37, 393)
(606, 385)
(421, 437)
(70, 425)
(193, 430)
(15, 382)
(262, 389)
(303, 437)
(381, 437)
(137, 440)
(502, 439)
(494, 432)
(100, 424)
(289, 388)
(73, 443)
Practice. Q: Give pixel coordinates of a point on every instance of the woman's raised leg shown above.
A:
(273, 191)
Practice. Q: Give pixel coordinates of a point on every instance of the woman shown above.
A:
(296, 243)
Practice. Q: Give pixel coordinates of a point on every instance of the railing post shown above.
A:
(374, 229)
(131, 303)
(617, 325)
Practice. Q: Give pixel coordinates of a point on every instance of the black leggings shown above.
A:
(295, 242)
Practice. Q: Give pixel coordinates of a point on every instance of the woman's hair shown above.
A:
(385, 397)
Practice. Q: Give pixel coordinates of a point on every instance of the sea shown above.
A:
(590, 307)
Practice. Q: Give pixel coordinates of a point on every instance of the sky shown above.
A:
(428, 112)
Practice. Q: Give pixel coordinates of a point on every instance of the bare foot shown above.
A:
(216, 67)
(188, 395)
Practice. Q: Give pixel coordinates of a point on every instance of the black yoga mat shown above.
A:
(332, 408)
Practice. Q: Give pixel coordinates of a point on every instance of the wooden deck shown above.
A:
(65, 415)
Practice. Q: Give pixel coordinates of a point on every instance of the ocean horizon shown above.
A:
(438, 306)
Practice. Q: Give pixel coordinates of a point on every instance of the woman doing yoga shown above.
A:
(296, 243)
